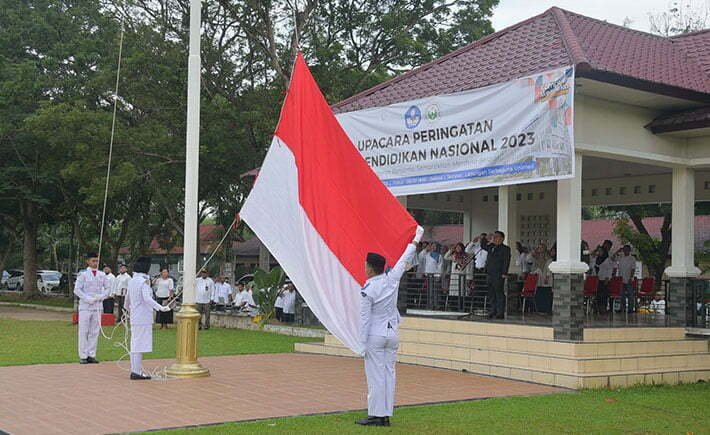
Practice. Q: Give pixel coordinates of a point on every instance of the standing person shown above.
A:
(120, 286)
(279, 304)
(460, 265)
(627, 268)
(497, 265)
(91, 288)
(480, 255)
(379, 332)
(204, 292)
(140, 304)
(226, 290)
(289, 304)
(432, 260)
(605, 269)
(164, 291)
(524, 260)
(108, 303)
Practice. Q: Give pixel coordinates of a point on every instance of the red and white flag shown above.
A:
(319, 208)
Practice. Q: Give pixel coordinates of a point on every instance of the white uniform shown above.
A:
(204, 290)
(222, 291)
(379, 335)
(92, 288)
(140, 305)
(289, 302)
(432, 265)
(120, 284)
(480, 255)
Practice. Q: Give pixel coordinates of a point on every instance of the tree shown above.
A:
(652, 251)
(681, 17)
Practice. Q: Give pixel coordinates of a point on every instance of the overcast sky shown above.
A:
(509, 12)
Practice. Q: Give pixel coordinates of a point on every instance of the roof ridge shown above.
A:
(673, 38)
(569, 39)
(426, 66)
(619, 26)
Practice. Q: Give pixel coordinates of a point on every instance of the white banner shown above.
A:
(515, 132)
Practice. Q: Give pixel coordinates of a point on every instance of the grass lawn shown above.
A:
(52, 301)
(25, 342)
(679, 409)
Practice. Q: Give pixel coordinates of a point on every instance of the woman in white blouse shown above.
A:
(164, 291)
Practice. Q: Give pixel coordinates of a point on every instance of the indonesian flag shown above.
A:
(319, 208)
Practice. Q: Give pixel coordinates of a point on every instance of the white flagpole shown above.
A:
(188, 317)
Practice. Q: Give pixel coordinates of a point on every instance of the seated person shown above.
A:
(658, 304)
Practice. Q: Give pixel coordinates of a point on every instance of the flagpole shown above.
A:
(186, 364)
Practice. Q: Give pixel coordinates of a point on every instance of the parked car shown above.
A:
(3, 278)
(14, 282)
(48, 280)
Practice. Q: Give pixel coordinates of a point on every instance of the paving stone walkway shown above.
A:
(92, 399)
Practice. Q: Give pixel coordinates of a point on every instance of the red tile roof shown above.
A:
(685, 120)
(599, 50)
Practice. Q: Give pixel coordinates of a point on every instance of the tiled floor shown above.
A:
(77, 399)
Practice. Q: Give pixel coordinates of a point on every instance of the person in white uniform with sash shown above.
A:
(379, 331)
(91, 288)
(140, 306)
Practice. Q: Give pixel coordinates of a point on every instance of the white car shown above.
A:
(14, 282)
(48, 280)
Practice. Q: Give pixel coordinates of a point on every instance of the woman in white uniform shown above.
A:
(140, 305)
(164, 290)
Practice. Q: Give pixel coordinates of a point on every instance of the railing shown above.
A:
(452, 292)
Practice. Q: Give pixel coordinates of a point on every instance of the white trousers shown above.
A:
(380, 358)
(137, 362)
(88, 332)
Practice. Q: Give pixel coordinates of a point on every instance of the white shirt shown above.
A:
(658, 307)
(163, 287)
(378, 305)
(627, 267)
(606, 269)
(481, 255)
(120, 284)
(289, 301)
(279, 301)
(222, 290)
(90, 285)
(204, 290)
(110, 280)
(244, 299)
(139, 300)
(431, 265)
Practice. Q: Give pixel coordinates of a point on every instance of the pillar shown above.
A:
(682, 271)
(508, 215)
(568, 270)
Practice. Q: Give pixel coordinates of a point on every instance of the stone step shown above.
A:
(558, 377)
(548, 347)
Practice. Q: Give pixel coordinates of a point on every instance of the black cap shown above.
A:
(142, 265)
(92, 255)
(376, 260)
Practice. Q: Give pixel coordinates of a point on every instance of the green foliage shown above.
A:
(265, 289)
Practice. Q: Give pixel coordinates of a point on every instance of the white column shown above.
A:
(569, 223)
(192, 157)
(683, 221)
(467, 234)
(508, 214)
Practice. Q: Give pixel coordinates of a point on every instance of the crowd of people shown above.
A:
(454, 267)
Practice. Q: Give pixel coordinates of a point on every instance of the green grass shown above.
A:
(648, 409)
(25, 342)
(52, 301)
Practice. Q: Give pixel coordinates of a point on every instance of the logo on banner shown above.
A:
(548, 87)
(432, 113)
(412, 117)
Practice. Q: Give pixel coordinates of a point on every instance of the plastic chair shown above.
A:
(647, 290)
(591, 284)
(529, 287)
(616, 290)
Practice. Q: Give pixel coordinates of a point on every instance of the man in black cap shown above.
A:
(379, 331)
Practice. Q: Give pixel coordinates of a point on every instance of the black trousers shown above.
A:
(496, 296)
(279, 313)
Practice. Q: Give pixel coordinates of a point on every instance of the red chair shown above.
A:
(615, 289)
(529, 287)
(590, 290)
(647, 289)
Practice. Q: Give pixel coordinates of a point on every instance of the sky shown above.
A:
(509, 12)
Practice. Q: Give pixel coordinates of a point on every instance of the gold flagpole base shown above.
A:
(186, 364)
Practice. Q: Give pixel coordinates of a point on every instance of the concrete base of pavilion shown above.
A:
(605, 357)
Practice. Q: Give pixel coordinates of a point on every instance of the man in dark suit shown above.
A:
(497, 269)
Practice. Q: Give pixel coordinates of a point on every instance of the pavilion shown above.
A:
(642, 135)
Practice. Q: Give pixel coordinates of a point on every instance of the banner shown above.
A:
(510, 133)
